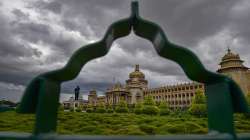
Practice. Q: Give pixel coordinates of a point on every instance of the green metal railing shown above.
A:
(224, 97)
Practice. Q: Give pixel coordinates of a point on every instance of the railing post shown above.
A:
(220, 109)
(46, 114)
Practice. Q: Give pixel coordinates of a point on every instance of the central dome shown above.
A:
(136, 73)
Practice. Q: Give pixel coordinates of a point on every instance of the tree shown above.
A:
(164, 108)
(149, 106)
(100, 108)
(148, 100)
(199, 98)
(138, 108)
(122, 107)
(198, 107)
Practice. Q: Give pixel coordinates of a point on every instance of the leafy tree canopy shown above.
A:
(199, 97)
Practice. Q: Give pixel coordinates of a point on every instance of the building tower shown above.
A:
(136, 84)
(232, 66)
(92, 97)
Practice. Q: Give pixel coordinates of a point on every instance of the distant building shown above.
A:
(73, 104)
(132, 92)
(180, 95)
(177, 96)
(232, 66)
(94, 99)
(136, 88)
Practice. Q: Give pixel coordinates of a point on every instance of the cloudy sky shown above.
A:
(37, 36)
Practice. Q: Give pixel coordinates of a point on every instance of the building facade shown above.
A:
(136, 88)
(132, 92)
(177, 96)
(180, 95)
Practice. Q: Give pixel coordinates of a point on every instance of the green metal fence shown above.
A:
(224, 97)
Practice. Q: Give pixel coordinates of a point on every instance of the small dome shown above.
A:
(230, 55)
(117, 86)
(136, 73)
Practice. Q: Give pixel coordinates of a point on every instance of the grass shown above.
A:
(118, 124)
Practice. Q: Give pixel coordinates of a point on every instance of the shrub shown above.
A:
(122, 107)
(198, 107)
(89, 109)
(199, 98)
(149, 107)
(171, 129)
(71, 109)
(198, 110)
(150, 110)
(149, 129)
(78, 110)
(109, 109)
(148, 100)
(100, 108)
(247, 115)
(164, 109)
(138, 108)
(131, 110)
(178, 112)
(61, 108)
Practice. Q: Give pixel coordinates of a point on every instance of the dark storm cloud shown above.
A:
(43, 35)
(33, 32)
(7, 42)
(187, 22)
(20, 14)
(54, 6)
(37, 32)
(13, 70)
(46, 6)
(239, 24)
(98, 14)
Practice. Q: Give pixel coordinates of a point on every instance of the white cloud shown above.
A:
(9, 91)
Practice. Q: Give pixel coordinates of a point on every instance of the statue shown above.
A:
(77, 91)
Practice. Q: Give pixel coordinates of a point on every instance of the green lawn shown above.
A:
(118, 124)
